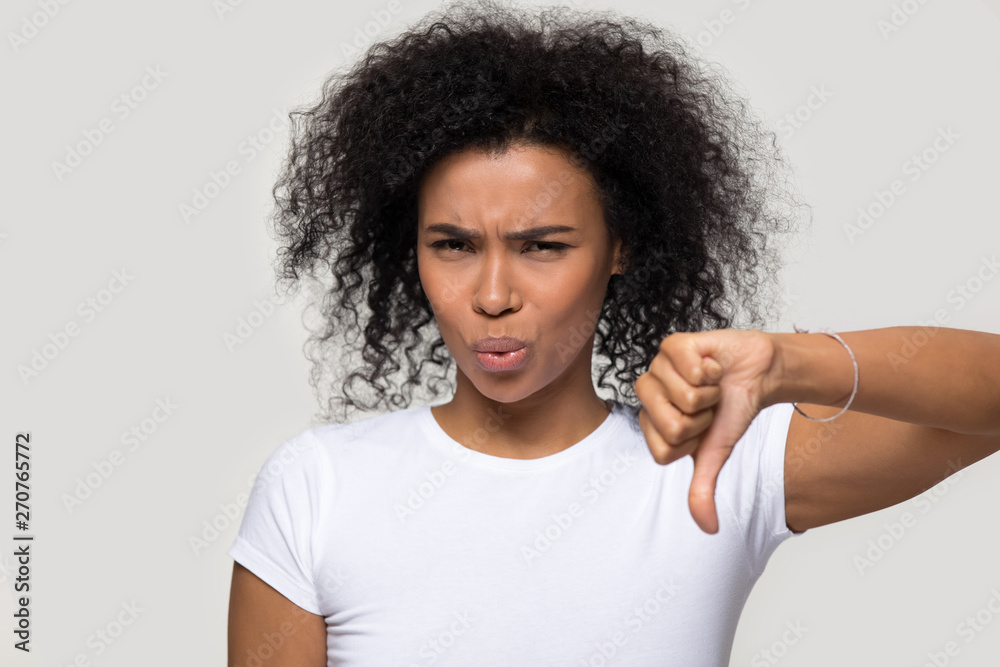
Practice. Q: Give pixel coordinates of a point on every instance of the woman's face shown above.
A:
(490, 270)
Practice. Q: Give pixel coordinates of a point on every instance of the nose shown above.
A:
(496, 289)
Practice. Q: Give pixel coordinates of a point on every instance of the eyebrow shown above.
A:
(530, 234)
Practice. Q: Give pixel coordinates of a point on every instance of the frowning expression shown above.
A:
(514, 245)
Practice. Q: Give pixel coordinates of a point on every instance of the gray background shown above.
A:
(163, 336)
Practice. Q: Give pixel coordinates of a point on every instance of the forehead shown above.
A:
(525, 180)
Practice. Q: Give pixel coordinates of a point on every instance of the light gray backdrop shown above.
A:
(123, 310)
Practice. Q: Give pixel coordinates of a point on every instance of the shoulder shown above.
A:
(374, 426)
(752, 481)
(318, 459)
(380, 432)
(317, 448)
(765, 437)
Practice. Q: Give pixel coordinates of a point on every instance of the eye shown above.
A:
(542, 245)
(444, 242)
(553, 247)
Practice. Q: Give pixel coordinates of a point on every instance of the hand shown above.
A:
(699, 395)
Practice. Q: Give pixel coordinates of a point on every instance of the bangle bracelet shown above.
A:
(854, 361)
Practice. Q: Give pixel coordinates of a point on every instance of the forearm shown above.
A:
(933, 376)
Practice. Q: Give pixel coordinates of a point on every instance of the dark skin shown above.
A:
(910, 425)
(907, 429)
(524, 288)
(257, 611)
(546, 289)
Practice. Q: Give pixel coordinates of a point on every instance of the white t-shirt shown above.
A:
(421, 551)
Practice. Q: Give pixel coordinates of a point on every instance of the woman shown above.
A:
(511, 193)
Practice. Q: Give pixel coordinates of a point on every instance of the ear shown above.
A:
(617, 261)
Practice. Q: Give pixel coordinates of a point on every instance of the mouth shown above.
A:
(503, 361)
(503, 353)
(498, 344)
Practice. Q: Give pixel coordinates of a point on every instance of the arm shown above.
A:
(263, 622)
(928, 405)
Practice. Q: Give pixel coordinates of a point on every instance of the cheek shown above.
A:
(434, 286)
(559, 314)
(446, 307)
(577, 283)
(571, 307)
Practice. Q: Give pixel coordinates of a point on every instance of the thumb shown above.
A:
(711, 370)
(707, 349)
(708, 462)
(728, 425)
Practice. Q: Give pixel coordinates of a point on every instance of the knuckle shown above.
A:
(674, 433)
(655, 364)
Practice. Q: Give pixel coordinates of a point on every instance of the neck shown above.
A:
(538, 425)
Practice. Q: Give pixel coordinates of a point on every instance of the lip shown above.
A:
(504, 353)
(503, 361)
(498, 344)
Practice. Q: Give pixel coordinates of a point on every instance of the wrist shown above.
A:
(809, 368)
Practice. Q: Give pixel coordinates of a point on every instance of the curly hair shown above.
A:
(687, 177)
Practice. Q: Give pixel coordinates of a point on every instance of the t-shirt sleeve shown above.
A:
(274, 540)
(755, 488)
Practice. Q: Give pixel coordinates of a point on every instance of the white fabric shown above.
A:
(419, 550)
